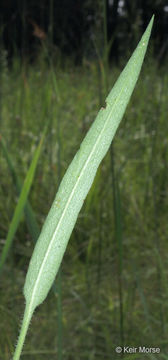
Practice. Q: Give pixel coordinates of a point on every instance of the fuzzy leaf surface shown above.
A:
(51, 245)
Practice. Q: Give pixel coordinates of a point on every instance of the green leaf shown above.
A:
(30, 217)
(21, 203)
(74, 187)
(77, 181)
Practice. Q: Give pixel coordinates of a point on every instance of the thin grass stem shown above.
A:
(118, 237)
(25, 324)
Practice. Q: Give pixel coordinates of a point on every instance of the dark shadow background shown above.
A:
(70, 26)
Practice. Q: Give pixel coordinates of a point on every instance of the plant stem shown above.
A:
(118, 236)
(25, 324)
(115, 185)
(106, 65)
(59, 277)
(59, 316)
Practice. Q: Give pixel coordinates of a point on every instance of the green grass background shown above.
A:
(100, 269)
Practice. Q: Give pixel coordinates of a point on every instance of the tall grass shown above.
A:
(21, 204)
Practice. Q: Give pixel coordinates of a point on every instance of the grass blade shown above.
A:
(21, 203)
(74, 187)
(78, 180)
(30, 217)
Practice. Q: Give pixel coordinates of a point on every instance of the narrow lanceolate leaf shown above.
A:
(77, 181)
(30, 217)
(21, 203)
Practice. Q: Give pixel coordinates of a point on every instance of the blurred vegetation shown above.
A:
(72, 27)
(94, 319)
